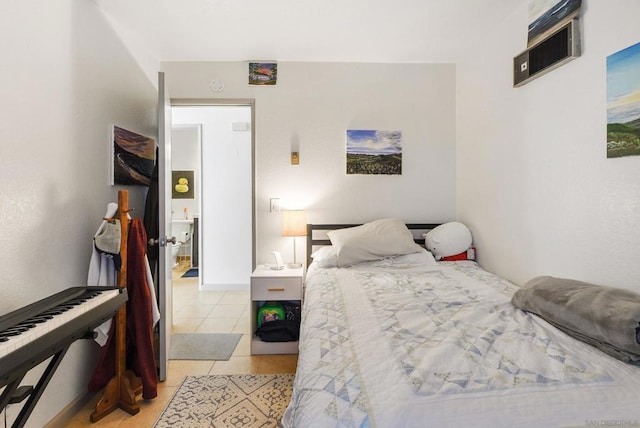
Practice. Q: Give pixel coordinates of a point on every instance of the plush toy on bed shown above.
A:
(450, 241)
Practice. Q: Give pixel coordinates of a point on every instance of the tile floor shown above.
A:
(197, 312)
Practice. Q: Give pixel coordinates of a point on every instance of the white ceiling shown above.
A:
(304, 30)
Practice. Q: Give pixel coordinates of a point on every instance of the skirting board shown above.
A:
(73, 408)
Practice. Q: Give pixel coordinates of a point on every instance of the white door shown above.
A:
(164, 216)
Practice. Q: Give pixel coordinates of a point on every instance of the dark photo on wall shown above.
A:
(133, 158)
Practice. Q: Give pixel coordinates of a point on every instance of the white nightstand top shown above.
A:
(265, 270)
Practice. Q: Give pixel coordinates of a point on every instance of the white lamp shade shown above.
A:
(294, 223)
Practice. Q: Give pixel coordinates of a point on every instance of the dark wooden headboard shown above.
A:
(312, 241)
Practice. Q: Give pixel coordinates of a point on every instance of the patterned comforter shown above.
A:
(389, 345)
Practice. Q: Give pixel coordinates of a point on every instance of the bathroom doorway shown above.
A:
(218, 152)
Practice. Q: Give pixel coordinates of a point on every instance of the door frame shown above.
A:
(245, 102)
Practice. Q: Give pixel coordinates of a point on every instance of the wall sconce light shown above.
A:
(295, 149)
(294, 223)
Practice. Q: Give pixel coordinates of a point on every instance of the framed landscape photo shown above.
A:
(374, 152)
(623, 103)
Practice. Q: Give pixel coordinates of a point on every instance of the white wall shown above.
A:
(65, 79)
(185, 156)
(533, 179)
(310, 109)
(225, 221)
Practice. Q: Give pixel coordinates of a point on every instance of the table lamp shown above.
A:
(294, 223)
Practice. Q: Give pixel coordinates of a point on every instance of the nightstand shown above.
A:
(268, 285)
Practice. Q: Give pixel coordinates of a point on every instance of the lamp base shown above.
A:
(294, 265)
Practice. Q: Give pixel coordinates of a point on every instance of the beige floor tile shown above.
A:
(243, 349)
(228, 311)
(212, 297)
(186, 325)
(246, 313)
(194, 310)
(270, 364)
(186, 291)
(217, 325)
(243, 326)
(236, 365)
(178, 369)
(235, 298)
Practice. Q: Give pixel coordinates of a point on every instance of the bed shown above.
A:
(405, 341)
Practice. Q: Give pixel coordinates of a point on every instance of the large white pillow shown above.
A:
(448, 239)
(372, 241)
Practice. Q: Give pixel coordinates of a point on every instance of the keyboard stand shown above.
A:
(37, 391)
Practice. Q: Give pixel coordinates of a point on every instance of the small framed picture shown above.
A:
(182, 185)
(263, 73)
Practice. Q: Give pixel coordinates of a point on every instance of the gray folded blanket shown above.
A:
(607, 318)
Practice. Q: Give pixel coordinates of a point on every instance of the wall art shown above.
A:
(133, 158)
(374, 152)
(623, 102)
(545, 16)
(263, 73)
(182, 185)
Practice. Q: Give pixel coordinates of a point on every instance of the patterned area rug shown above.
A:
(228, 401)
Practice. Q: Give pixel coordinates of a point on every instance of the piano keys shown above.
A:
(34, 333)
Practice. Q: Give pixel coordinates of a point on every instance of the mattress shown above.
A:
(393, 344)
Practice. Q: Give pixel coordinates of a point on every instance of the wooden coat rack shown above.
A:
(122, 389)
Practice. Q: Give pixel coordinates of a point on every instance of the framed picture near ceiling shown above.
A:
(263, 73)
(545, 16)
(374, 152)
(182, 185)
(133, 158)
(623, 102)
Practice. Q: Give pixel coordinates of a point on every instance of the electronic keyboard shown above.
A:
(34, 333)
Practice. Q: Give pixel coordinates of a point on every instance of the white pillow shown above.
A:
(448, 239)
(372, 241)
(325, 256)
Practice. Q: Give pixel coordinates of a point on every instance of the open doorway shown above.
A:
(213, 151)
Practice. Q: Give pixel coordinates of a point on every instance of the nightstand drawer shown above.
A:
(276, 289)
